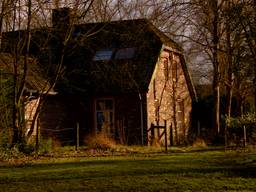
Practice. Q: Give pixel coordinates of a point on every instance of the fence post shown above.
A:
(77, 136)
(152, 134)
(165, 135)
(171, 136)
(37, 134)
(245, 142)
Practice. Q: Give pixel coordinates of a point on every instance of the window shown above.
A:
(180, 114)
(104, 116)
(125, 53)
(102, 55)
(76, 32)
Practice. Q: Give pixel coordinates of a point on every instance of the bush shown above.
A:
(11, 153)
(4, 139)
(199, 142)
(8, 151)
(45, 146)
(236, 126)
(100, 141)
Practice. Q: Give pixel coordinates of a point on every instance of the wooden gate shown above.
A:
(160, 135)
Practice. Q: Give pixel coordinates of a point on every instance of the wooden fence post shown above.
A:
(171, 136)
(152, 133)
(37, 134)
(165, 135)
(77, 136)
(245, 139)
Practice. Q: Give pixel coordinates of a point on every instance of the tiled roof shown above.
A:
(121, 55)
(35, 80)
(116, 55)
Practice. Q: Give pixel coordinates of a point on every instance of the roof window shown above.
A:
(125, 53)
(102, 55)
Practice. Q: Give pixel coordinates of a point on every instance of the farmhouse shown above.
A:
(114, 77)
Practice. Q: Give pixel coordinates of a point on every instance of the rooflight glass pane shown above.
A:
(125, 53)
(103, 55)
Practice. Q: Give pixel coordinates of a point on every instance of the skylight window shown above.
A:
(76, 32)
(103, 55)
(125, 53)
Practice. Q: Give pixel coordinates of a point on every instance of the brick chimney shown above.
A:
(61, 18)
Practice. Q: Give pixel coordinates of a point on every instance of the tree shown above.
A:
(204, 22)
(21, 53)
(248, 21)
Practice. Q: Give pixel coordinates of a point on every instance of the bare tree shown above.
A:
(23, 16)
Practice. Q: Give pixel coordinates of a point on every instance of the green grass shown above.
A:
(207, 170)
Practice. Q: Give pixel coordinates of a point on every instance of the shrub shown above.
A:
(45, 146)
(236, 126)
(4, 139)
(11, 153)
(199, 142)
(100, 141)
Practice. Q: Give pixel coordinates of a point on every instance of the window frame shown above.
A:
(108, 111)
(125, 53)
(100, 56)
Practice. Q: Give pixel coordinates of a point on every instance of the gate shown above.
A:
(160, 135)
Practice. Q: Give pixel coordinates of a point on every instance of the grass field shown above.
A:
(203, 170)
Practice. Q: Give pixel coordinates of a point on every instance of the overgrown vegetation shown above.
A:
(100, 141)
(243, 127)
(6, 90)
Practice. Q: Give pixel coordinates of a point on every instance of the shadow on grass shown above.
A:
(168, 165)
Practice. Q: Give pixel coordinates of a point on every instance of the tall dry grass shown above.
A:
(100, 141)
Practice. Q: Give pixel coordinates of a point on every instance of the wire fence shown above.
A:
(63, 136)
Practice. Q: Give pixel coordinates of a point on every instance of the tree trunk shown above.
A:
(254, 6)
(216, 89)
(1, 20)
(18, 120)
(229, 84)
(216, 72)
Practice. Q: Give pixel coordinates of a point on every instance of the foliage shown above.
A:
(13, 152)
(18, 151)
(23, 149)
(45, 146)
(236, 125)
(6, 91)
(248, 119)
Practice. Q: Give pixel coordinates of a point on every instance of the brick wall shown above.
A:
(168, 97)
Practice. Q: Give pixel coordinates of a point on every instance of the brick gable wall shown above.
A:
(169, 99)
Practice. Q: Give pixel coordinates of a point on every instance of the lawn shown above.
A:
(203, 170)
